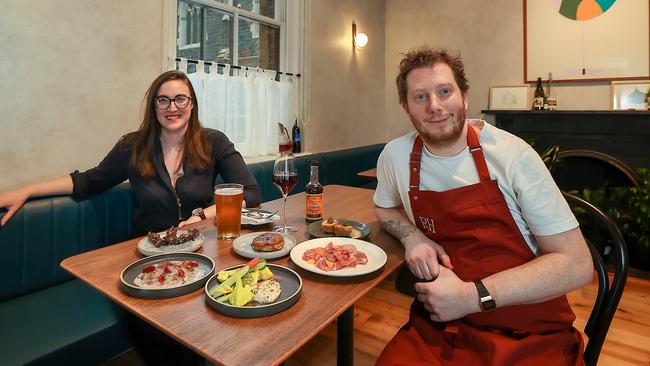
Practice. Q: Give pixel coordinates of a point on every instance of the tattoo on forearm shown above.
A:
(398, 229)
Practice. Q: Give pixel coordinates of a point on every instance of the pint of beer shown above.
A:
(228, 200)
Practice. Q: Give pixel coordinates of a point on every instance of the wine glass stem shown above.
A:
(284, 210)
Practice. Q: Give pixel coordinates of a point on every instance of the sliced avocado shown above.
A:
(240, 295)
(223, 275)
(218, 291)
(265, 273)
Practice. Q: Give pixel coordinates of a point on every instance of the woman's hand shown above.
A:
(12, 201)
(191, 220)
(423, 256)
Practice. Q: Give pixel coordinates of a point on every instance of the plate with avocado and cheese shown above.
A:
(254, 289)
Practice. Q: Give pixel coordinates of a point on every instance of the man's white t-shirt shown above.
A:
(534, 200)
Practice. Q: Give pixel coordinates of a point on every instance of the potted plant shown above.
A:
(629, 207)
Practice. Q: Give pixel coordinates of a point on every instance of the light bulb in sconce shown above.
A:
(359, 40)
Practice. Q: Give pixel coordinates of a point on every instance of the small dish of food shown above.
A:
(338, 228)
(253, 289)
(264, 244)
(170, 241)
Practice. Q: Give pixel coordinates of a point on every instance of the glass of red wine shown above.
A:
(285, 177)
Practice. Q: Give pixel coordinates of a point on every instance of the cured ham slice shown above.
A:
(334, 257)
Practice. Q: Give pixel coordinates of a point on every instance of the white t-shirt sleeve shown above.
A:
(542, 205)
(387, 193)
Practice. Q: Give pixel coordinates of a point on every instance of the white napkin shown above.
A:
(249, 218)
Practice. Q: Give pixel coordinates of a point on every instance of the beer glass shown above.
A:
(228, 199)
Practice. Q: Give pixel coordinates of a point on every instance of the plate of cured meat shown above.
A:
(338, 257)
(166, 275)
(170, 241)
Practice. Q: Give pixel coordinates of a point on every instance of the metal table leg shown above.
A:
(345, 338)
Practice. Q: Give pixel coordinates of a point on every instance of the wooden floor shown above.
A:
(380, 313)
(383, 311)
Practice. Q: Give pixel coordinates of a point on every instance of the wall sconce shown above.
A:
(359, 40)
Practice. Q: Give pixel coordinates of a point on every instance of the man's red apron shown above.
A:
(474, 225)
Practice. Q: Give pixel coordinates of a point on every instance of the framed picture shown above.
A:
(509, 97)
(626, 95)
(586, 40)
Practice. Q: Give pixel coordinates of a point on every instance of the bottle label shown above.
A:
(314, 206)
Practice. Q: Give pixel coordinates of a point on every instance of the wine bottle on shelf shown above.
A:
(550, 101)
(314, 196)
(538, 100)
(295, 136)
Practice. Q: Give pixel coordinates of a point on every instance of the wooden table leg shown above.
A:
(345, 338)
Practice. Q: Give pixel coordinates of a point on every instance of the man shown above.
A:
(483, 226)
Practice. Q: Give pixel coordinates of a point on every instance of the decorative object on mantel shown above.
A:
(629, 95)
(510, 97)
(586, 40)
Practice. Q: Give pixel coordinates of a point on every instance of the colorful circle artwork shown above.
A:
(582, 9)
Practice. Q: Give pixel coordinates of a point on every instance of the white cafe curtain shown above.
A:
(246, 106)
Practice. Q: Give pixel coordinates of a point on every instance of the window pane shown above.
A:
(188, 34)
(218, 36)
(259, 45)
(262, 7)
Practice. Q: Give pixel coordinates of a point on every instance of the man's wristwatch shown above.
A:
(486, 302)
(199, 212)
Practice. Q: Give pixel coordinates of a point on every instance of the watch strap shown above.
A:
(486, 301)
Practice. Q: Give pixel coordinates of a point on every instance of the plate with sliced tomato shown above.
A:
(166, 275)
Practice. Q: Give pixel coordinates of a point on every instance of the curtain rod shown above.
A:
(196, 62)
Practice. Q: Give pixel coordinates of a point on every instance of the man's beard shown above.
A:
(445, 137)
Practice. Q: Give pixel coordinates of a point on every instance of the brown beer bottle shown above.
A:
(314, 196)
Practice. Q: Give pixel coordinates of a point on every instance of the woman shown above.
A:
(171, 163)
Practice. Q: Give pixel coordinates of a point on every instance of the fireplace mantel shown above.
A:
(622, 134)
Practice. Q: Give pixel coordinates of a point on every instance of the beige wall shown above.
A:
(489, 37)
(73, 77)
(74, 72)
(344, 87)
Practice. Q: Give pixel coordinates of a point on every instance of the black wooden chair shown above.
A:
(579, 169)
(609, 293)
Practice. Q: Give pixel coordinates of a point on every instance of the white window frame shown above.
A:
(290, 18)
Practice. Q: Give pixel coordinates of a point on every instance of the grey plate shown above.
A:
(290, 282)
(359, 229)
(132, 271)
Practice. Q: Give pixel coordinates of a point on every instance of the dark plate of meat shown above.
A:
(170, 241)
(166, 275)
(338, 257)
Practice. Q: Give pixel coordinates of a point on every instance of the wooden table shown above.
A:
(257, 341)
(370, 174)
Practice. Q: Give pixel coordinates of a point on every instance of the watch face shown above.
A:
(198, 212)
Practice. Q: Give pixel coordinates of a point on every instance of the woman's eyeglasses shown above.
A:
(181, 101)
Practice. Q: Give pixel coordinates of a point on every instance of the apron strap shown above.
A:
(474, 147)
(477, 153)
(414, 164)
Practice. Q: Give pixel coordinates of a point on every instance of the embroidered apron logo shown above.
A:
(427, 223)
